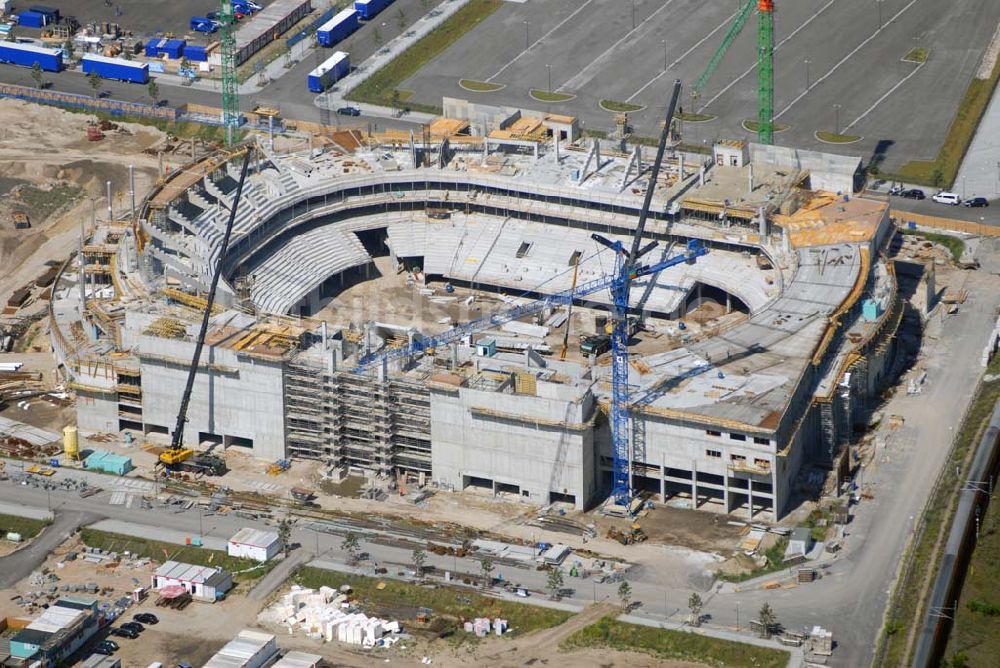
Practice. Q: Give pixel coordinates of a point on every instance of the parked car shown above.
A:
(912, 193)
(945, 197)
(106, 647)
(349, 111)
(146, 618)
(976, 202)
(134, 626)
(123, 632)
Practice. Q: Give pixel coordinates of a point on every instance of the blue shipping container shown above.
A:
(335, 68)
(337, 28)
(27, 55)
(30, 19)
(173, 48)
(196, 53)
(369, 8)
(116, 68)
(51, 12)
(153, 47)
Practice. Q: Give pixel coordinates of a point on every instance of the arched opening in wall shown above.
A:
(374, 241)
(707, 302)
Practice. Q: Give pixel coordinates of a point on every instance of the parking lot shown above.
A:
(855, 82)
(142, 17)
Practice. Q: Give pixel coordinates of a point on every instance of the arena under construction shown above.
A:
(749, 368)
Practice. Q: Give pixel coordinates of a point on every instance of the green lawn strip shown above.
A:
(917, 55)
(672, 645)
(754, 126)
(941, 171)
(479, 86)
(906, 608)
(450, 605)
(549, 96)
(953, 244)
(162, 551)
(834, 138)
(26, 526)
(775, 556)
(688, 117)
(620, 107)
(377, 89)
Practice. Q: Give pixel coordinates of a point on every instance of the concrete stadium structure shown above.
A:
(734, 414)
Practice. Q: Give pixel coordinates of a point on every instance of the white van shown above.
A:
(947, 198)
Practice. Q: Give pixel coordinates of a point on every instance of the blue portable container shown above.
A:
(330, 72)
(174, 48)
(368, 9)
(26, 55)
(337, 28)
(50, 13)
(153, 47)
(196, 53)
(30, 19)
(116, 68)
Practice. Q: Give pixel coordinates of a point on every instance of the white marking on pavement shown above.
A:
(845, 58)
(558, 25)
(776, 47)
(682, 57)
(887, 94)
(576, 81)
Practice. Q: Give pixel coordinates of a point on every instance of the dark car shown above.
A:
(106, 647)
(912, 193)
(146, 618)
(134, 626)
(349, 111)
(123, 632)
(976, 202)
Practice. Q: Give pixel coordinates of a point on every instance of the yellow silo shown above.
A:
(71, 443)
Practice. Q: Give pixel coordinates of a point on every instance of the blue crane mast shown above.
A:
(628, 268)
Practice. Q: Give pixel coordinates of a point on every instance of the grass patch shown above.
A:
(953, 244)
(775, 562)
(941, 171)
(619, 107)
(917, 55)
(754, 126)
(479, 86)
(689, 117)
(41, 204)
(451, 605)
(834, 138)
(906, 608)
(27, 527)
(549, 96)
(377, 89)
(161, 551)
(672, 645)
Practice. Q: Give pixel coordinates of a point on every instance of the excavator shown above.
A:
(178, 458)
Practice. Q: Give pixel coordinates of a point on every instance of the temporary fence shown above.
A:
(75, 101)
(908, 220)
(312, 27)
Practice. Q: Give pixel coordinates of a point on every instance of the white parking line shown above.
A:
(846, 58)
(596, 62)
(879, 101)
(682, 57)
(776, 47)
(558, 25)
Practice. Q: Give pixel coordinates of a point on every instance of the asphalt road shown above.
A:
(19, 565)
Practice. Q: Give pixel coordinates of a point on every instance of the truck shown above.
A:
(203, 24)
(368, 9)
(335, 68)
(116, 68)
(337, 28)
(595, 345)
(26, 55)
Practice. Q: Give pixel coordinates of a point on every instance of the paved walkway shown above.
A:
(980, 170)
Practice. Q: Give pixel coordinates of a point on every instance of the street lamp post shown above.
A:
(548, 70)
(525, 34)
(878, 3)
(737, 616)
(201, 526)
(836, 112)
(664, 55)
(633, 14)
(807, 61)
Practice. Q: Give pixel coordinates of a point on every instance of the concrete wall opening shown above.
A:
(479, 483)
(714, 301)
(508, 488)
(237, 441)
(562, 497)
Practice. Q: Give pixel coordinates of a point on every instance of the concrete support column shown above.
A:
(663, 478)
(725, 491)
(729, 303)
(694, 485)
(750, 495)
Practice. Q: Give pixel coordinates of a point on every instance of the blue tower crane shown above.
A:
(628, 268)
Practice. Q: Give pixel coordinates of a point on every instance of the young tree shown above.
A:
(425, 5)
(767, 620)
(486, 566)
(154, 92)
(351, 545)
(95, 81)
(377, 37)
(284, 532)
(554, 583)
(418, 558)
(185, 64)
(401, 19)
(36, 73)
(625, 593)
(69, 48)
(694, 605)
